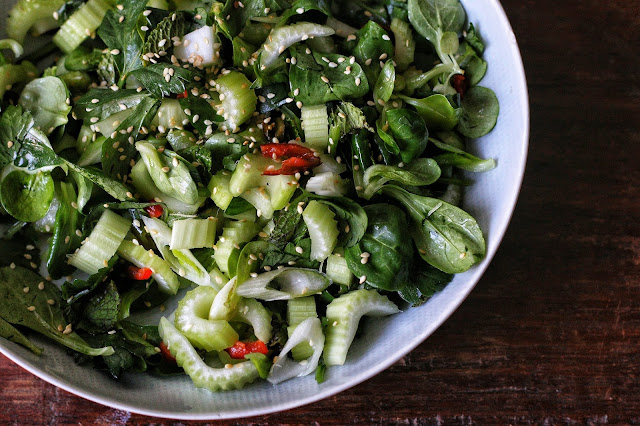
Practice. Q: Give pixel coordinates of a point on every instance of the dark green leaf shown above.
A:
(169, 27)
(388, 242)
(100, 310)
(84, 59)
(116, 189)
(436, 111)
(473, 38)
(462, 159)
(38, 308)
(204, 111)
(153, 78)
(370, 47)
(12, 334)
(409, 132)
(480, 110)
(308, 73)
(432, 18)
(26, 196)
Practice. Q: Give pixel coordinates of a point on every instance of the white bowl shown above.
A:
(491, 200)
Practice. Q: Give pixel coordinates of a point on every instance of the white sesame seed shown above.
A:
(386, 37)
(300, 10)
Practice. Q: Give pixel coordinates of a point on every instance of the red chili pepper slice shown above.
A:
(293, 165)
(240, 349)
(140, 274)
(182, 95)
(155, 210)
(287, 150)
(459, 82)
(166, 353)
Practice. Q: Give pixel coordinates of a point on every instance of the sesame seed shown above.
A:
(12, 266)
(144, 28)
(299, 250)
(363, 279)
(367, 62)
(9, 144)
(31, 308)
(146, 13)
(166, 169)
(51, 302)
(386, 37)
(358, 81)
(300, 10)
(26, 289)
(41, 285)
(351, 37)
(325, 79)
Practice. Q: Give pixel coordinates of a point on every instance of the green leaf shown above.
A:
(285, 223)
(154, 78)
(370, 44)
(473, 38)
(204, 112)
(232, 19)
(83, 59)
(115, 188)
(301, 7)
(409, 132)
(320, 77)
(436, 111)
(65, 237)
(124, 36)
(12, 334)
(100, 311)
(344, 119)
(26, 196)
(20, 247)
(119, 150)
(480, 110)
(432, 18)
(474, 66)
(262, 362)
(384, 85)
(75, 290)
(388, 244)
(39, 308)
(462, 159)
(169, 27)
(15, 124)
(102, 103)
(446, 236)
(420, 172)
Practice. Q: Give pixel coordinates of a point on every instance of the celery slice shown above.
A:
(102, 243)
(323, 229)
(315, 122)
(192, 320)
(81, 24)
(162, 273)
(343, 315)
(219, 185)
(284, 284)
(252, 312)
(310, 332)
(203, 376)
(26, 13)
(200, 47)
(338, 270)
(282, 38)
(298, 310)
(238, 99)
(193, 233)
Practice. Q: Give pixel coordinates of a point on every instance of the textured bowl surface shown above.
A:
(491, 200)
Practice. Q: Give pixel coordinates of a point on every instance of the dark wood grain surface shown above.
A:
(551, 334)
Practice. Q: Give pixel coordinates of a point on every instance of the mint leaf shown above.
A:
(162, 80)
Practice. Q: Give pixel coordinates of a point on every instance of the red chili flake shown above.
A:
(140, 274)
(296, 158)
(240, 349)
(182, 95)
(154, 211)
(166, 353)
(459, 82)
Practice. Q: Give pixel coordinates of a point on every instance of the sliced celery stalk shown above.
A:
(323, 229)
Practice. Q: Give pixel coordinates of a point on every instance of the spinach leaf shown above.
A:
(26, 196)
(66, 235)
(232, 19)
(39, 308)
(20, 247)
(101, 103)
(433, 18)
(473, 38)
(162, 79)
(83, 59)
(207, 117)
(302, 7)
(12, 334)
(409, 131)
(474, 66)
(23, 145)
(273, 96)
(480, 110)
(371, 46)
(119, 31)
(446, 236)
(461, 159)
(318, 78)
(387, 247)
(116, 189)
(384, 86)
(427, 281)
(75, 290)
(420, 172)
(119, 150)
(436, 111)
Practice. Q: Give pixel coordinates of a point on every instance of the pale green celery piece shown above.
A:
(203, 376)
(26, 13)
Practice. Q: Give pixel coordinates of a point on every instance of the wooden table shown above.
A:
(551, 333)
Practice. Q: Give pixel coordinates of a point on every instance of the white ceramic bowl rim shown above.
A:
(506, 76)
